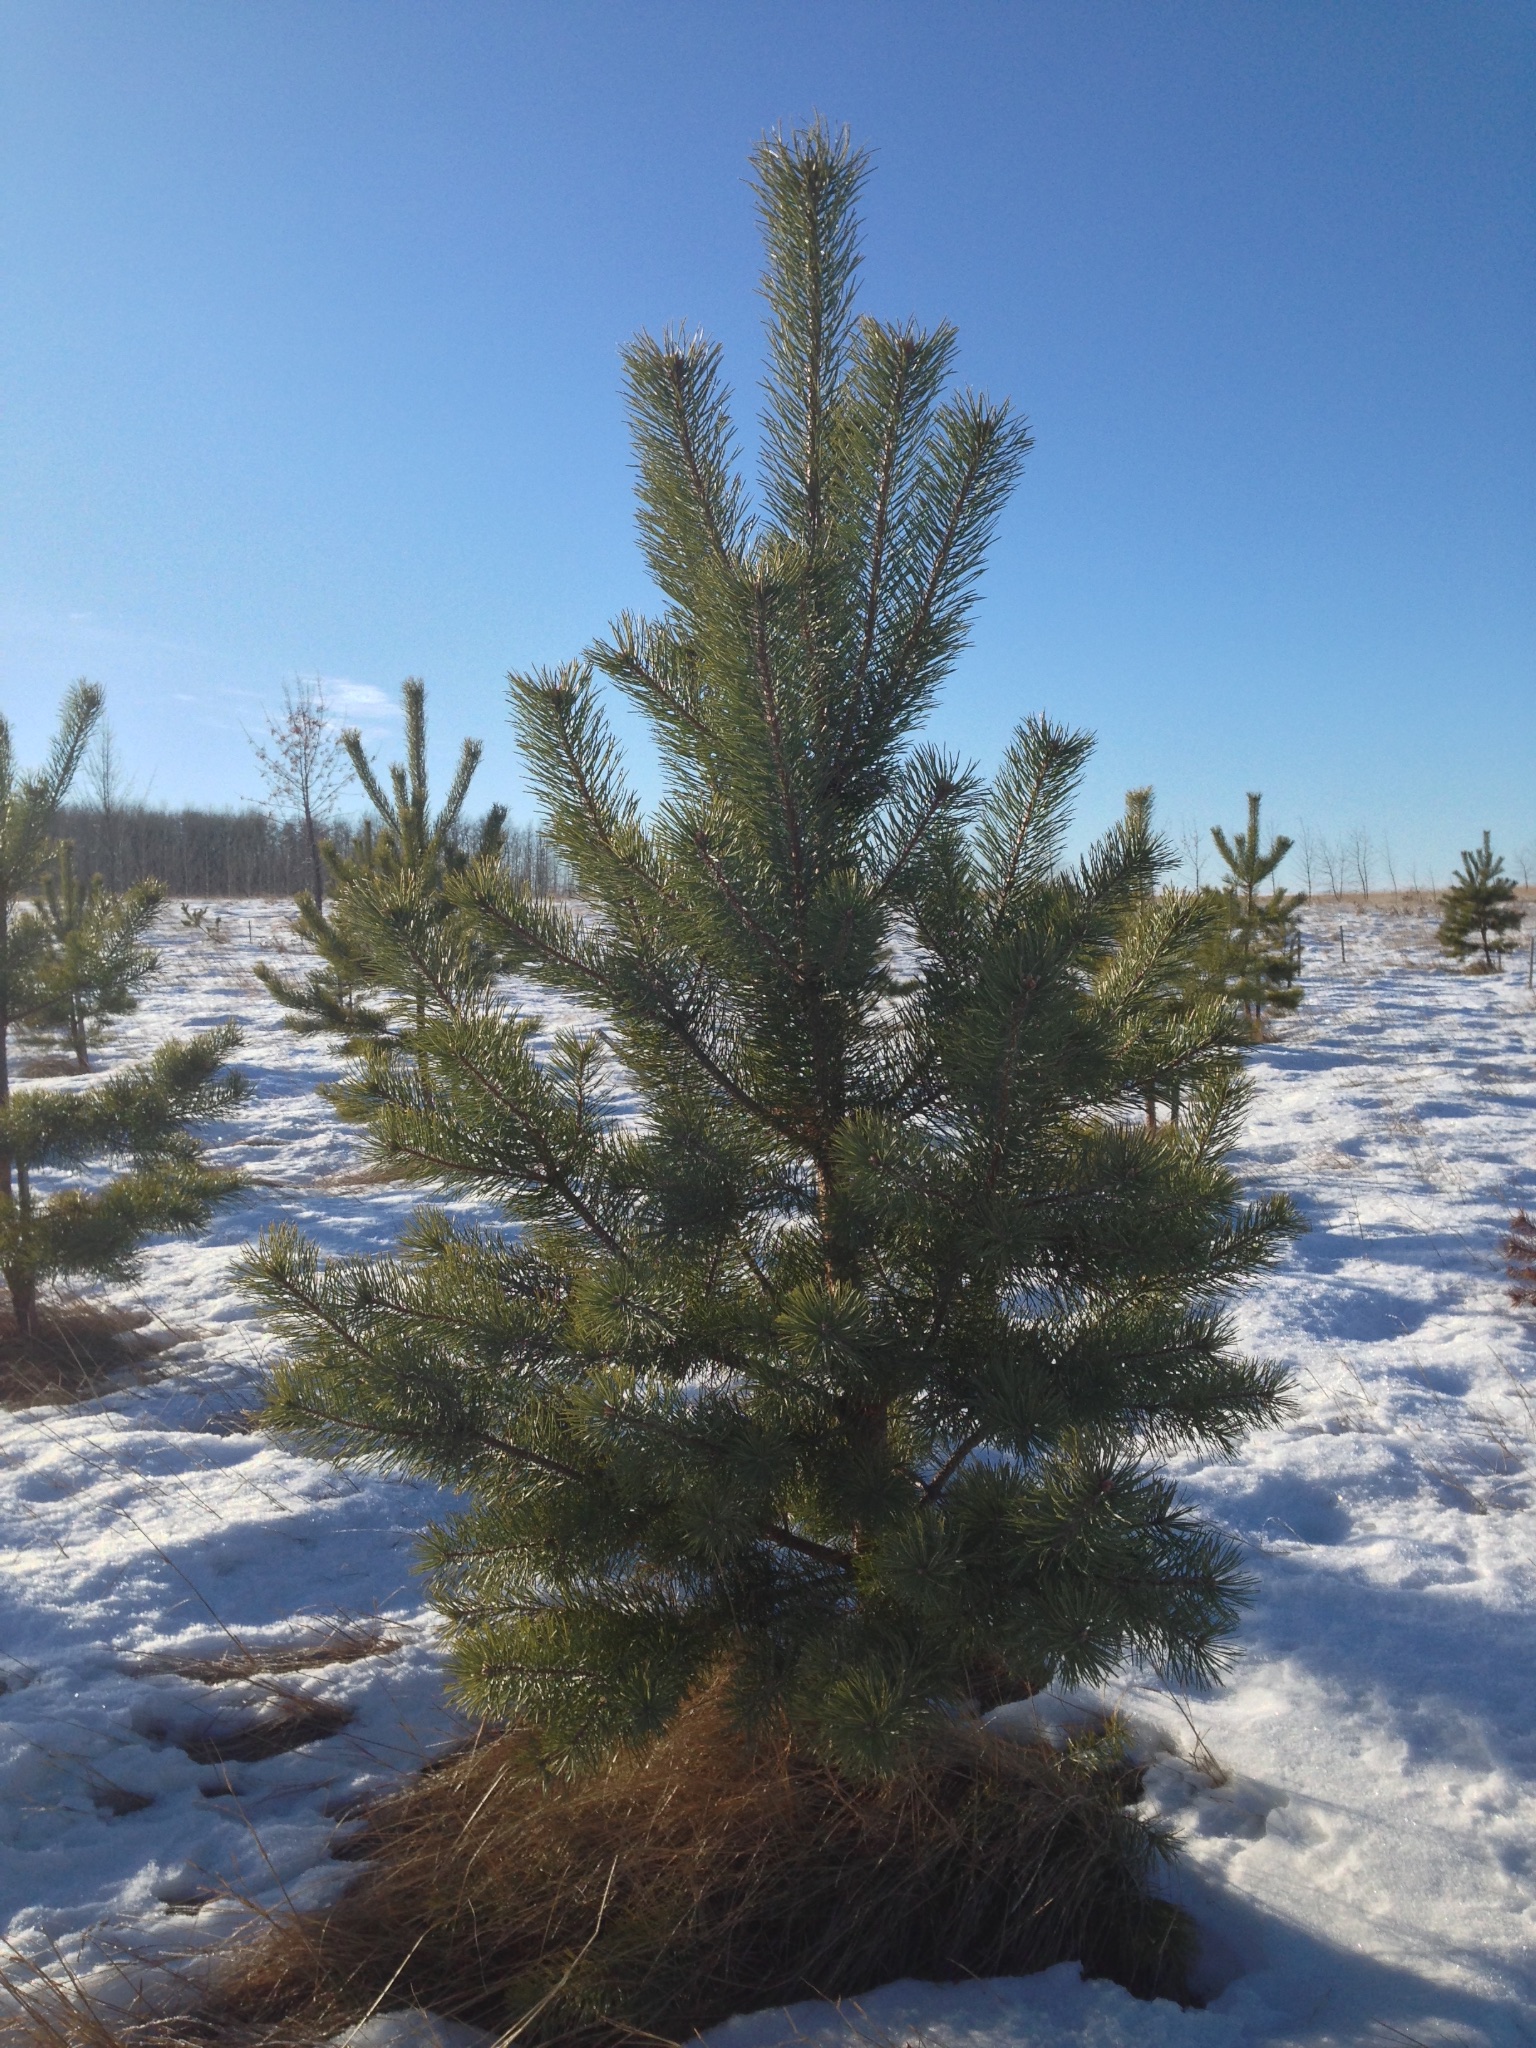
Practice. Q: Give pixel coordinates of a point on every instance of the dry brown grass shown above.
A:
(1520, 1260)
(345, 1644)
(285, 1721)
(82, 1349)
(47, 1066)
(710, 1876)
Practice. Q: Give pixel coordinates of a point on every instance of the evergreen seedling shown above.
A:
(1478, 915)
(139, 1170)
(404, 846)
(28, 805)
(841, 1371)
(94, 964)
(1256, 957)
(137, 1121)
(1186, 1001)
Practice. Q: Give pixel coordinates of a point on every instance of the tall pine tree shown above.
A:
(844, 1367)
(1477, 913)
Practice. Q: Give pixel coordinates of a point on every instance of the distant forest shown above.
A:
(242, 853)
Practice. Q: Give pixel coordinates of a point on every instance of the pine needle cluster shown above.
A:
(844, 1365)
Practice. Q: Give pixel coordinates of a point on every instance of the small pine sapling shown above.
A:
(28, 805)
(404, 847)
(1255, 955)
(95, 963)
(138, 1169)
(1182, 1005)
(136, 1121)
(1478, 917)
(841, 1373)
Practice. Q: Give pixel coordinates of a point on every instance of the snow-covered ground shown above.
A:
(1358, 1806)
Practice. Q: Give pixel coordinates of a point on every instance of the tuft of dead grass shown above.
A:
(82, 1349)
(47, 1066)
(1520, 1259)
(710, 1875)
(286, 1721)
(342, 1645)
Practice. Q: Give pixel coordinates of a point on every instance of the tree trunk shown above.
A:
(23, 1292)
(316, 865)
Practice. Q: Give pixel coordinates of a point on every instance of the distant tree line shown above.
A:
(246, 852)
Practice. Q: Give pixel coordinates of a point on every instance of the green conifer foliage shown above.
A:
(1478, 916)
(28, 804)
(1186, 1003)
(129, 1136)
(95, 964)
(136, 1122)
(844, 1368)
(404, 848)
(1256, 957)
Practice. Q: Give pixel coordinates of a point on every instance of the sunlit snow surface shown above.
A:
(1363, 1872)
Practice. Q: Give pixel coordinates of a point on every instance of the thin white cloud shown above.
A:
(356, 702)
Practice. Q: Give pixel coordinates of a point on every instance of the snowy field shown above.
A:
(1358, 1806)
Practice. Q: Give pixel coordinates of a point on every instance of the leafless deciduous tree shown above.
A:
(1386, 855)
(303, 766)
(1359, 855)
(1332, 859)
(1192, 845)
(109, 794)
(1309, 856)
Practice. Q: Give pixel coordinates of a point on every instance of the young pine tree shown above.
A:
(1185, 1002)
(1478, 914)
(95, 963)
(1255, 956)
(843, 1368)
(140, 1171)
(403, 845)
(127, 1136)
(28, 805)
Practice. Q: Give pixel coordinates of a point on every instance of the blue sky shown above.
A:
(309, 334)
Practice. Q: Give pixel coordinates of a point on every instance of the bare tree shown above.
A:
(303, 766)
(1309, 855)
(1332, 859)
(1359, 857)
(1192, 844)
(109, 794)
(1386, 854)
(1526, 858)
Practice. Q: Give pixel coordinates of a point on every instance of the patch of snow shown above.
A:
(1357, 1805)
(410, 2030)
